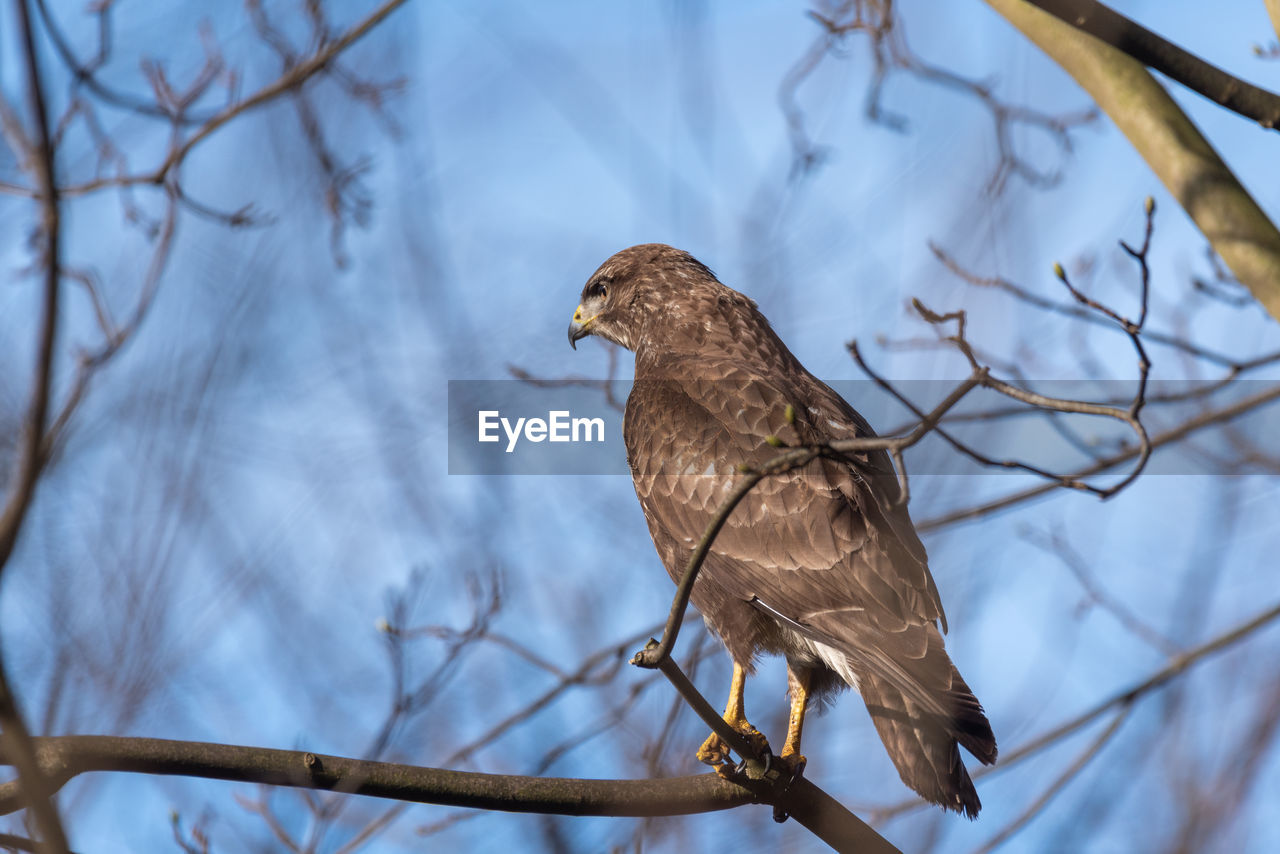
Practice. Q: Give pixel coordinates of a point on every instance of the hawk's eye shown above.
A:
(599, 290)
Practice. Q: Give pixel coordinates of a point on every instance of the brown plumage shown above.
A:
(822, 564)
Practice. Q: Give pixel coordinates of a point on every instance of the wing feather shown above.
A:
(801, 540)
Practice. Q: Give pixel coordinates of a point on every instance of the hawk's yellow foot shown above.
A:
(714, 751)
(798, 681)
(793, 763)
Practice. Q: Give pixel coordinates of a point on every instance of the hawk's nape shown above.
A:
(820, 564)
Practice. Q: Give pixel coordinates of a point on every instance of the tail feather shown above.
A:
(971, 727)
(925, 749)
(922, 708)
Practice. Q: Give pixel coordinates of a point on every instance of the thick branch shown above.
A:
(1164, 56)
(64, 757)
(1173, 147)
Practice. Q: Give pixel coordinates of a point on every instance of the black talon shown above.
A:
(780, 791)
(766, 759)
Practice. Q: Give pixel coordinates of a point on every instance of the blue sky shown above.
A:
(268, 458)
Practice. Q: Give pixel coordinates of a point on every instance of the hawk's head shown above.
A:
(645, 285)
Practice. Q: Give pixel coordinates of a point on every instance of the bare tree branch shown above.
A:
(29, 463)
(85, 73)
(64, 757)
(16, 740)
(1171, 144)
(306, 68)
(891, 53)
(1076, 312)
(1164, 56)
(1187, 428)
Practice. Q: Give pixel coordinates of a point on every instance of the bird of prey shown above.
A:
(820, 564)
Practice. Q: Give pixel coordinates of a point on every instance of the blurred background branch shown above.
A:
(1171, 144)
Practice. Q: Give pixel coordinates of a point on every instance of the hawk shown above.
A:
(821, 564)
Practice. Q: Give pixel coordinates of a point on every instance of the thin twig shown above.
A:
(306, 68)
(1076, 312)
(86, 73)
(1174, 434)
(890, 53)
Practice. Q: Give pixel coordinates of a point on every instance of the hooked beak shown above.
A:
(579, 327)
